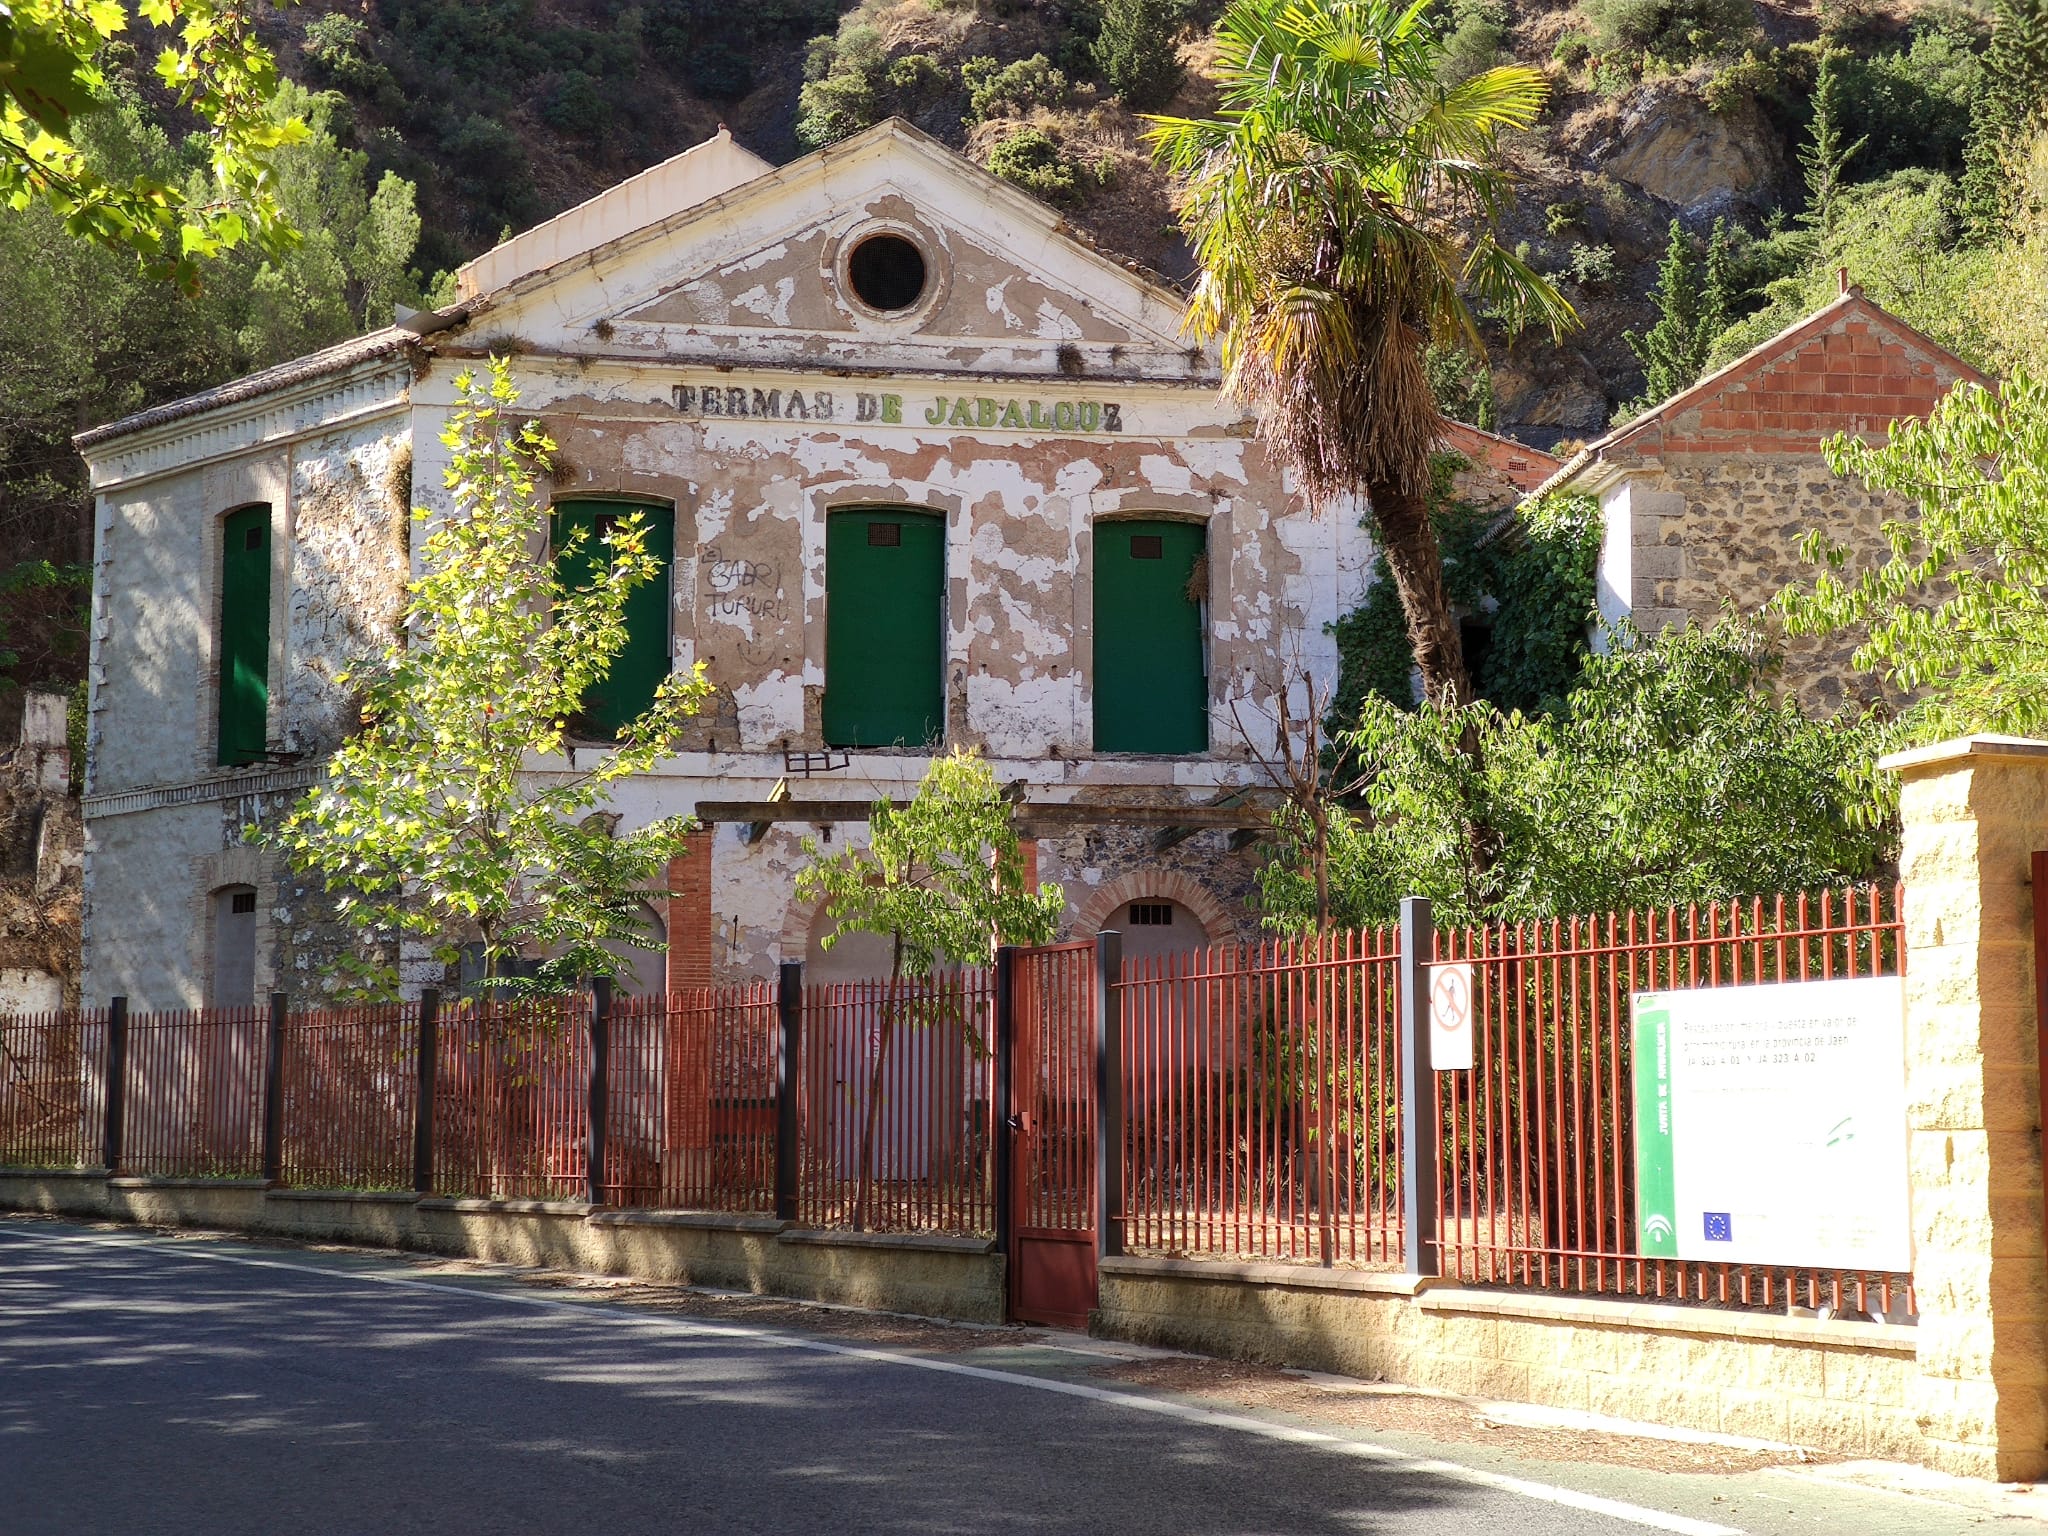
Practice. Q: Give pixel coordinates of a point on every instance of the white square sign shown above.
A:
(1450, 1017)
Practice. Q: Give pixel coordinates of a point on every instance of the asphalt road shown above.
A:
(152, 1384)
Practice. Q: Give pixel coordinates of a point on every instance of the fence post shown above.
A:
(600, 1079)
(1004, 1045)
(427, 1055)
(1420, 1126)
(1109, 1095)
(273, 1094)
(789, 1003)
(117, 1083)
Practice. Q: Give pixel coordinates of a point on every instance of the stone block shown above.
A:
(1875, 1381)
(1757, 1414)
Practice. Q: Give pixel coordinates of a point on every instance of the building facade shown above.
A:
(927, 471)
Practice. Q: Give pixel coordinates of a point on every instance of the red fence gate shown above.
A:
(1052, 1118)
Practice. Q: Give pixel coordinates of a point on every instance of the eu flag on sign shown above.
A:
(1719, 1228)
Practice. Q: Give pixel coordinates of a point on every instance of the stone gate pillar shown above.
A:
(1974, 811)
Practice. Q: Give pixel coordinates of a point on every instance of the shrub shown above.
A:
(1136, 49)
(1590, 266)
(719, 73)
(579, 105)
(1747, 79)
(1912, 107)
(1574, 47)
(1031, 160)
(1476, 33)
(1675, 30)
(1561, 218)
(994, 90)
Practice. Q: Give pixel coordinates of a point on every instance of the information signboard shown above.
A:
(1771, 1124)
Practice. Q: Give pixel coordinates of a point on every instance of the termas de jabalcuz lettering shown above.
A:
(985, 412)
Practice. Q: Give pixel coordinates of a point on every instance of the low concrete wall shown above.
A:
(959, 1278)
(1840, 1387)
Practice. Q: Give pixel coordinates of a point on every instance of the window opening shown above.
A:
(1151, 914)
(234, 948)
(243, 734)
(885, 625)
(1147, 546)
(626, 691)
(887, 272)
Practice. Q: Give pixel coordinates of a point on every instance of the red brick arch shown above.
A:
(1094, 907)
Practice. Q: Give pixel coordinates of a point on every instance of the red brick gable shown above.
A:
(1521, 466)
(1860, 373)
(1851, 367)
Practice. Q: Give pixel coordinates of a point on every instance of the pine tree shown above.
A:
(2014, 103)
(1695, 299)
(1136, 51)
(1825, 158)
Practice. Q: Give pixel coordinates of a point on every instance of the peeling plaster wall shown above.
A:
(165, 825)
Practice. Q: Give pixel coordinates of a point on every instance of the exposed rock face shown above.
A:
(1671, 145)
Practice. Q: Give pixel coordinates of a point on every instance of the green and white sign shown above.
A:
(1771, 1124)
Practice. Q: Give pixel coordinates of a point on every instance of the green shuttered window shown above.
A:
(1151, 682)
(885, 579)
(244, 735)
(624, 694)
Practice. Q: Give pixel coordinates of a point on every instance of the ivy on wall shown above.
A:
(1533, 579)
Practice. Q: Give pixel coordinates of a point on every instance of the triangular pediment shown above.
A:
(765, 272)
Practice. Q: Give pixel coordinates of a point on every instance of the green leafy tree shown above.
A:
(350, 266)
(1960, 608)
(1137, 50)
(1326, 204)
(941, 877)
(1694, 296)
(1670, 773)
(52, 79)
(429, 822)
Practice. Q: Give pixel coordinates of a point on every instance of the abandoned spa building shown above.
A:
(927, 471)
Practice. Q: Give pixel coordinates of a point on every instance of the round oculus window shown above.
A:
(887, 273)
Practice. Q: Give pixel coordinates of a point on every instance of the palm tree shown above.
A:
(1341, 205)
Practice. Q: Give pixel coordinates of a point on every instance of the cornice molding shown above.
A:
(375, 388)
(202, 791)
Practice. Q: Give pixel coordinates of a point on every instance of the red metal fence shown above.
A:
(512, 1099)
(350, 1081)
(1537, 1185)
(897, 1119)
(52, 1089)
(194, 1093)
(690, 1117)
(1262, 1101)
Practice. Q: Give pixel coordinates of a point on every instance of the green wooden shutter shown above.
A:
(625, 692)
(1151, 687)
(244, 636)
(885, 578)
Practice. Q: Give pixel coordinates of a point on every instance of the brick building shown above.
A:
(1706, 497)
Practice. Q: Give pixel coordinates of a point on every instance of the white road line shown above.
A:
(1365, 1450)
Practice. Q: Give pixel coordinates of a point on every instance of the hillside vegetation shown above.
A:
(1702, 169)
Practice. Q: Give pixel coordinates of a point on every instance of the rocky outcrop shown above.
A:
(1669, 143)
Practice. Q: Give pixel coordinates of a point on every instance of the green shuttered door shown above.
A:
(244, 636)
(1150, 691)
(624, 694)
(885, 575)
